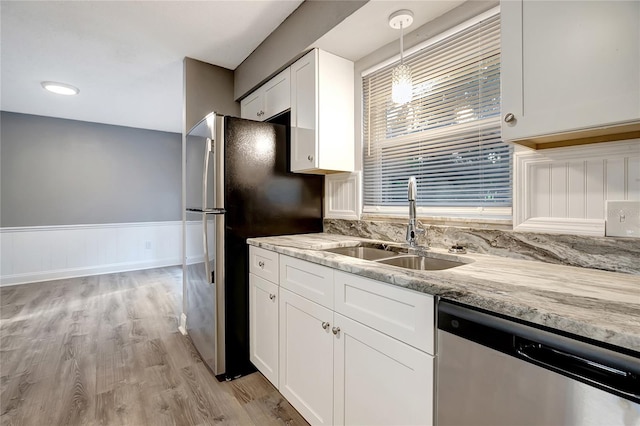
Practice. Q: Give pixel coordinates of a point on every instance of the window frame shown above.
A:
(502, 214)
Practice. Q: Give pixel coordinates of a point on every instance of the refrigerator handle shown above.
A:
(205, 239)
(205, 173)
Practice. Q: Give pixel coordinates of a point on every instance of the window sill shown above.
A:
(478, 223)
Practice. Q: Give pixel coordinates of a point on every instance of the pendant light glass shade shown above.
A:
(401, 84)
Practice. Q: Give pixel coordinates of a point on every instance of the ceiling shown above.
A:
(368, 28)
(126, 56)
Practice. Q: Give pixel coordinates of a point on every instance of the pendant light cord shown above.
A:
(401, 43)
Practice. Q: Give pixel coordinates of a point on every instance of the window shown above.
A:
(448, 136)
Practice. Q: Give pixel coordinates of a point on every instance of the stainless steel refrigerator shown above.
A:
(238, 186)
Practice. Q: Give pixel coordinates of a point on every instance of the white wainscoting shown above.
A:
(41, 253)
(342, 196)
(564, 190)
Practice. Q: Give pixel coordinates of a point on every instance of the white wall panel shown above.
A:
(540, 186)
(558, 188)
(564, 190)
(576, 189)
(633, 182)
(616, 177)
(595, 193)
(342, 196)
(42, 253)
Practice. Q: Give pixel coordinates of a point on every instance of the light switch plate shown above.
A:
(623, 219)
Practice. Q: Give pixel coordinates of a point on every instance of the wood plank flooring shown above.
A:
(105, 350)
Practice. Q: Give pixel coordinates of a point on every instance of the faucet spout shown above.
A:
(412, 229)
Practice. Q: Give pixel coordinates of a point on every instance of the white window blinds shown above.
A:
(448, 136)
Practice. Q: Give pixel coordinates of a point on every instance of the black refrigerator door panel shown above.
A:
(262, 198)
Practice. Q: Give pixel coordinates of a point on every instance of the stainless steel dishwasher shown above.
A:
(494, 371)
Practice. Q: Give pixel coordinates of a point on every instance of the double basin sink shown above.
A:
(399, 256)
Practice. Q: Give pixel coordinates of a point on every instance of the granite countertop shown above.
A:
(600, 305)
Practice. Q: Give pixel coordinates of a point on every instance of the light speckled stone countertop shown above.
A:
(604, 306)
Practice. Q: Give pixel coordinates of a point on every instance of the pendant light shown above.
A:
(401, 84)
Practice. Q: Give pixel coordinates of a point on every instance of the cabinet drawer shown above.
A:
(404, 314)
(263, 263)
(310, 280)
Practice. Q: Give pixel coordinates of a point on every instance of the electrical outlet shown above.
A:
(147, 245)
(623, 219)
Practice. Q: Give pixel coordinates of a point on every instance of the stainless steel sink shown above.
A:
(421, 263)
(399, 256)
(368, 251)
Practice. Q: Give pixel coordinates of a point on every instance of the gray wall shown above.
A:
(207, 88)
(64, 172)
(309, 22)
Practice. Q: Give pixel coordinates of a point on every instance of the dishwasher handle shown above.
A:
(599, 375)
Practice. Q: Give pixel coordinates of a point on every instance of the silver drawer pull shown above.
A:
(325, 325)
(272, 296)
(310, 157)
(261, 264)
(509, 117)
(335, 330)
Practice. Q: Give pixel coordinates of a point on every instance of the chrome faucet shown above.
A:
(412, 229)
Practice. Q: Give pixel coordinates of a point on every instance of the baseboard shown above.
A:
(9, 280)
(182, 328)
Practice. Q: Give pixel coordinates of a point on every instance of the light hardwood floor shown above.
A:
(105, 350)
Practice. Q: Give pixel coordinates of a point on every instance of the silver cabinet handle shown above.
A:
(509, 117)
(310, 157)
(272, 296)
(335, 330)
(261, 264)
(325, 325)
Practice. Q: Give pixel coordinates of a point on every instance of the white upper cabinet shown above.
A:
(322, 110)
(252, 107)
(269, 100)
(570, 71)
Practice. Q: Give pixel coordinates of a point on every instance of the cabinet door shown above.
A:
(304, 113)
(252, 107)
(569, 66)
(306, 357)
(263, 327)
(379, 380)
(277, 94)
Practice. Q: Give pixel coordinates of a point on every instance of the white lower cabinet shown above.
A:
(306, 357)
(342, 361)
(379, 380)
(263, 326)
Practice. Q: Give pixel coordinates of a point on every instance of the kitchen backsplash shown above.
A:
(609, 254)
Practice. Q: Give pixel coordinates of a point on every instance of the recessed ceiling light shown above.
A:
(60, 88)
